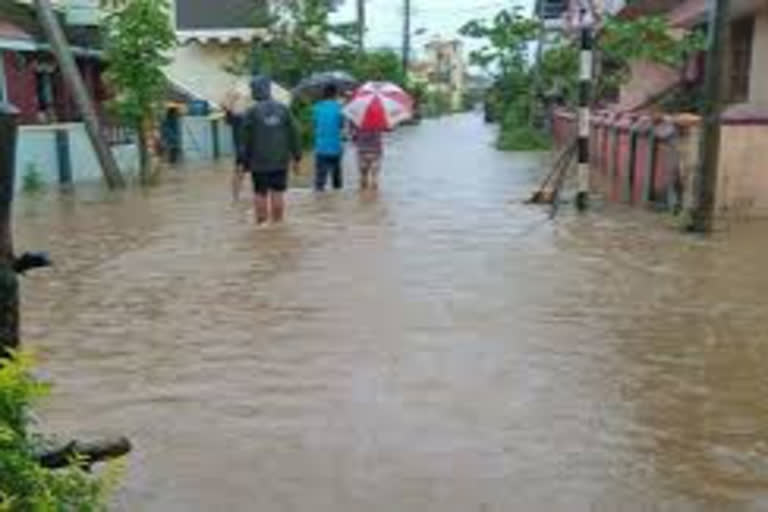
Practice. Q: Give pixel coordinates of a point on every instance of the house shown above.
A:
(642, 154)
(29, 75)
(212, 36)
(443, 70)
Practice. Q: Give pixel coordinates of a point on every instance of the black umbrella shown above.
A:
(314, 85)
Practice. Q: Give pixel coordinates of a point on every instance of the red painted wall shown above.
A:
(642, 156)
(22, 86)
(21, 80)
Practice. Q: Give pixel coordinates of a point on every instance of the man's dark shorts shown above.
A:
(273, 181)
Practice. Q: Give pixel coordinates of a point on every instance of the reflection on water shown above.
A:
(438, 346)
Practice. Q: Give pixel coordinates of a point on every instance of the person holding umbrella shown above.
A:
(375, 108)
(329, 148)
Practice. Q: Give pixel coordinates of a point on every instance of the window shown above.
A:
(742, 32)
(3, 86)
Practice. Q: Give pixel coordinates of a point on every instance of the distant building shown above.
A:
(443, 70)
(551, 13)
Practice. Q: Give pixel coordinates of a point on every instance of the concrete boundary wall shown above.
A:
(62, 154)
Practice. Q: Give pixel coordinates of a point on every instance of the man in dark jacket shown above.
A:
(270, 143)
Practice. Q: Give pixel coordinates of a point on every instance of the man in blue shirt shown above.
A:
(329, 122)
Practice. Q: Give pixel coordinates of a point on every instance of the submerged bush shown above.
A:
(32, 181)
(516, 134)
(24, 484)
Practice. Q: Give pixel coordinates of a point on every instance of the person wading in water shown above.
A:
(270, 143)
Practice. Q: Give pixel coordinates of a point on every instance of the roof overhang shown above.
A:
(223, 36)
(27, 45)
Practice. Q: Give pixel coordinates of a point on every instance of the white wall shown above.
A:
(36, 149)
(200, 69)
(197, 136)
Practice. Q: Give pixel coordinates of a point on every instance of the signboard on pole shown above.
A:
(82, 12)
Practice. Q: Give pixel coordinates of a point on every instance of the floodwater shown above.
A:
(439, 347)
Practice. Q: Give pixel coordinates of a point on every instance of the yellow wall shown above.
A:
(743, 177)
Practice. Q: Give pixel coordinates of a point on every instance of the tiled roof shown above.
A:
(215, 15)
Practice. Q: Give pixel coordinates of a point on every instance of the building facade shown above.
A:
(742, 183)
(30, 78)
(443, 70)
(212, 37)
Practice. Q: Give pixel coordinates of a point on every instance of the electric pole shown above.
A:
(702, 218)
(361, 25)
(406, 37)
(585, 89)
(61, 50)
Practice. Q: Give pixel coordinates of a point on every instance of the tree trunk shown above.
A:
(148, 153)
(74, 80)
(144, 160)
(9, 282)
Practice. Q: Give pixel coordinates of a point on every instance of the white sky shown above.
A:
(439, 17)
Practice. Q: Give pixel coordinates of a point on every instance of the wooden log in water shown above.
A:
(548, 189)
(85, 454)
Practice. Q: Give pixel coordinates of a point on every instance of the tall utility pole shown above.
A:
(61, 50)
(702, 218)
(585, 86)
(361, 25)
(406, 36)
(539, 14)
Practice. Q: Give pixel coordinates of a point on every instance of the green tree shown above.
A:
(506, 58)
(299, 39)
(618, 44)
(138, 36)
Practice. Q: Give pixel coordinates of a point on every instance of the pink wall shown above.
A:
(614, 172)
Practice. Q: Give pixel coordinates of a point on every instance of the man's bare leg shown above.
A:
(375, 169)
(261, 208)
(278, 206)
(365, 173)
(237, 184)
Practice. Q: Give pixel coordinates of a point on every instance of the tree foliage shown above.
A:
(646, 38)
(138, 37)
(25, 486)
(506, 56)
(507, 37)
(521, 85)
(298, 39)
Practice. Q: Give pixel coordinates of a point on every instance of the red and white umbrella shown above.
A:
(379, 106)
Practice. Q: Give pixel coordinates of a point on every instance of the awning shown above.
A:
(206, 79)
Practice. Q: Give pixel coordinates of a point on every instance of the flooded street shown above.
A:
(440, 347)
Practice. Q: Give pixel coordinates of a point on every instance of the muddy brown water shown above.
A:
(439, 347)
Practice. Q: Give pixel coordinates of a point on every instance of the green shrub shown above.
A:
(522, 138)
(24, 484)
(516, 134)
(437, 104)
(302, 114)
(32, 181)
